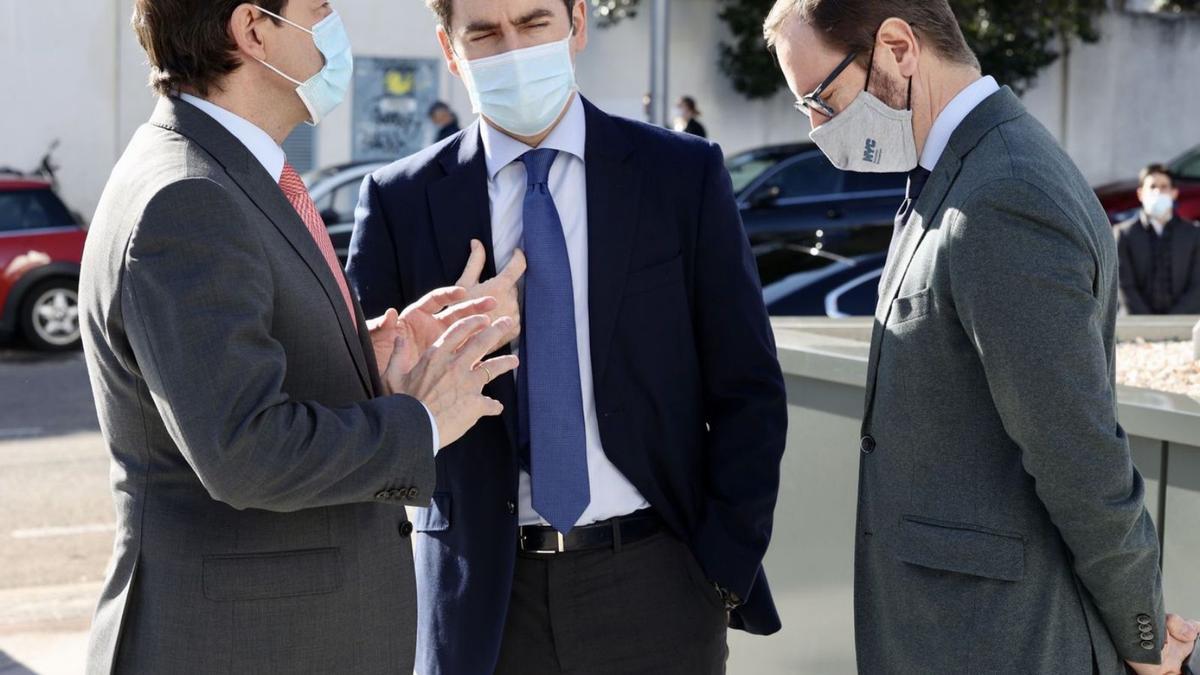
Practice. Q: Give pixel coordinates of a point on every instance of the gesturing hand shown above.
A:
(450, 376)
(407, 335)
(1181, 642)
(502, 287)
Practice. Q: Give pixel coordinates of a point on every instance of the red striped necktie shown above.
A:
(297, 193)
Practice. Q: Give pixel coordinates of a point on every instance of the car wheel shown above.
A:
(50, 315)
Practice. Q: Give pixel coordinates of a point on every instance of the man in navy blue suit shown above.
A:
(615, 518)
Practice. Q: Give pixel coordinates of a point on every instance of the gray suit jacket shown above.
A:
(1135, 250)
(1001, 526)
(258, 480)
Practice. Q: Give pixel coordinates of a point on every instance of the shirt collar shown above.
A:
(570, 136)
(956, 111)
(258, 142)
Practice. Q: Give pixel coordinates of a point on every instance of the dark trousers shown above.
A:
(645, 608)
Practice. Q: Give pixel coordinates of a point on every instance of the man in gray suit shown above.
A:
(261, 461)
(1001, 525)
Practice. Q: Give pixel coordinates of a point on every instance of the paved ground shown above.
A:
(56, 516)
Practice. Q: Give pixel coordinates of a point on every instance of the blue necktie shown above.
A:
(551, 394)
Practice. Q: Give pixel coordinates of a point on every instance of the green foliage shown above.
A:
(1014, 39)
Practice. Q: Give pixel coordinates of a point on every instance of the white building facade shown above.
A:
(74, 72)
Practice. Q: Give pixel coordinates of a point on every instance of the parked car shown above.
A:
(41, 245)
(1120, 198)
(335, 192)
(820, 235)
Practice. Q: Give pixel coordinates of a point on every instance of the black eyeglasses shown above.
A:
(813, 100)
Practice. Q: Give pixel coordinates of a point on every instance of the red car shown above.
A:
(41, 245)
(1120, 199)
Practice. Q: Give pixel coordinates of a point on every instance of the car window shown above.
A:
(341, 201)
(807, 177)
(32, 210)
(875, 182)
(1188, 166)
(745, 169)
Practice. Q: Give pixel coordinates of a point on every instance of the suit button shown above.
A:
(868, 445)
(1147, 645)
(405, 529)
(511, 508)
(1143, 619)
(413, 493)
(1147, 636)
(382, 495)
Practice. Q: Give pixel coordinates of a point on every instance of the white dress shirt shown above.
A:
(956, 111)
(271, 156)
(612, 494)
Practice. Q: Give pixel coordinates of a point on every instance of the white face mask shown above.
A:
(869, 137)
(1158, 205)
(523, 91)
(326, 90)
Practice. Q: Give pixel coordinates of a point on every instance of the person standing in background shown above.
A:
(686, 114)
(444, 119)
(1159, 251)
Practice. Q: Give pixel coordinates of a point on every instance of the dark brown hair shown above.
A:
(445, 11)
(188, 41)
(1154, 170)
(851, 25)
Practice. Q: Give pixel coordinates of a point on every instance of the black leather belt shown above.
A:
(611, 533)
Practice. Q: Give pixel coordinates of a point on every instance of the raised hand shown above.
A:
(502, 287)
(450, 376)
(1181, 642)
(411, 333)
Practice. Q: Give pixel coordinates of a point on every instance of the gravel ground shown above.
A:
(1165, 366)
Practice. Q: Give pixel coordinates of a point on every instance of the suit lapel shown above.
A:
(183, 118)
(991, 113)
(614, 183)
(460, 211)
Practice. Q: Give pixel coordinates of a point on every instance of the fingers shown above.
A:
(389, 317)
(515, 269)
(465, 309)
(494, 368)
(490, 407)
(475, 263)
(462, 330)
(437, 300)
(1180, 628)
(496, 336)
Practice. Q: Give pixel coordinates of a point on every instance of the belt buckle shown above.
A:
(562, 546)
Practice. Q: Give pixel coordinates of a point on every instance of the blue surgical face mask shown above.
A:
(326, 90)
(523, 91)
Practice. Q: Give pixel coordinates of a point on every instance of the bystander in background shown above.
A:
(1159, 251)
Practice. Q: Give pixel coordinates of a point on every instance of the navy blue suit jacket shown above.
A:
(689, 393)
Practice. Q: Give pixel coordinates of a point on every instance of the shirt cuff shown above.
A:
(437, 439)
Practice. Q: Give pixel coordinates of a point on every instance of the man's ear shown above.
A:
(579, 19)
(448, 51)
(245, 28)
(896, 37)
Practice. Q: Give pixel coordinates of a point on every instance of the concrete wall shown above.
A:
(73, 71)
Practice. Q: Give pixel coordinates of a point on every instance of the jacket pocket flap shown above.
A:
(260, 576)
(435, 517)
(910, 308)
(961, 548)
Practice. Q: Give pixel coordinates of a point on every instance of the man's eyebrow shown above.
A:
(481, 27)
(534, 16)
